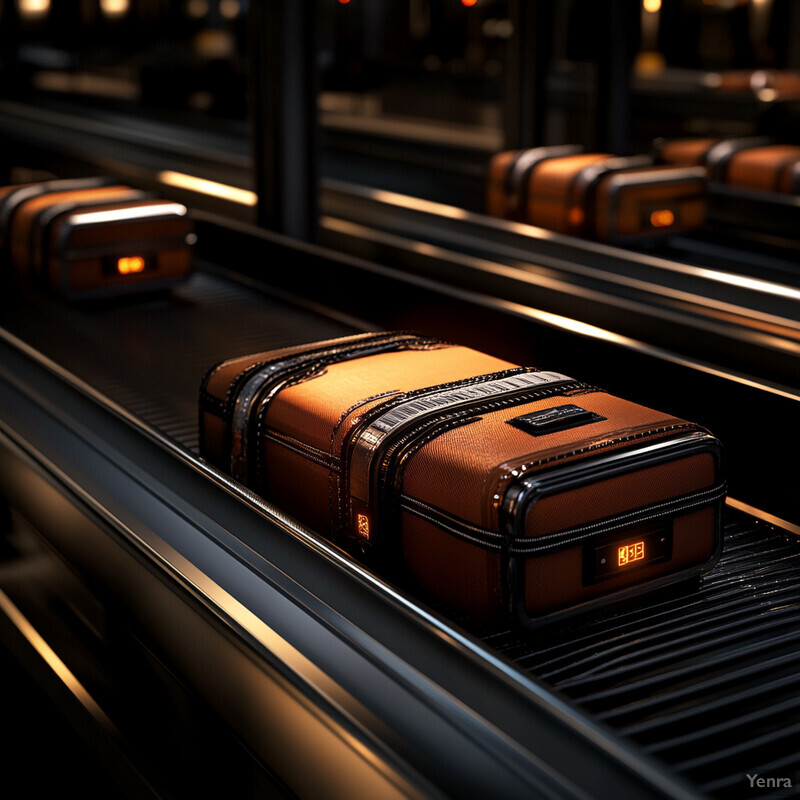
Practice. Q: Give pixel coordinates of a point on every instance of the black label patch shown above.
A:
(551, 420)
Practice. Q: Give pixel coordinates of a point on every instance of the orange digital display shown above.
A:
(362, 523)
(629, 553)
(662, 218)
(575, 216)
(130, 265)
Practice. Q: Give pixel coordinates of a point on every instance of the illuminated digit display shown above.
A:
(629, 553)
(362, 523)
(625, 556)
(662, 218)
(130, 264)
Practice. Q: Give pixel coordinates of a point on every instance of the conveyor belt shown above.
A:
(149, 355)
(706, 681)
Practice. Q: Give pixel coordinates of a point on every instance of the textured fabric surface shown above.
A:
(462, 470)
(310, 410)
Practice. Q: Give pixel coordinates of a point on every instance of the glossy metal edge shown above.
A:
(465, 649)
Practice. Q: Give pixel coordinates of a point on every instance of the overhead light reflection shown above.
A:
(754, 284)
(115, 8)
(33, 8)
(194, 184)
(418, 204)
(229, 8)
(760, 514)
(122, 214)
(197, 8)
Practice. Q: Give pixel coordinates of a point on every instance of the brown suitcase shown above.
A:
(499, 489)
(615, 199)
(12, 198)
(748, 163)
(770, 168)
(687, 152)
(781, 84)
(96, 239)
(509, 174)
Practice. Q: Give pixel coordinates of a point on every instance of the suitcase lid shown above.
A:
(48, 217)
(129, 246)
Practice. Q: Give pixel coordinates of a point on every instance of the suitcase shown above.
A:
(748, 163)
(595, 195)
(509, 175)
(497, 489)
(615, 199)
(781, 84)
(769, 168)
(686, 152)
(93, 238)
(12, 198)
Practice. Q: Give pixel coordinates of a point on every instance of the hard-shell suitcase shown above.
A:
(595, 195)
(509, 177)
(499, 489)
(687, 152)
(748, 163)
(13, 198)
(615, 199)
(767, 168)
(92, 238)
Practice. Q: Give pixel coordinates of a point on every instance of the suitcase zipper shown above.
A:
(489, 540)
(560, 540)
(307, 451)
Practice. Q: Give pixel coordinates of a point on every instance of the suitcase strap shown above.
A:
(263, 382)
(519, 171)
(583, 190)
(719, 156)
(14, 201)
(378, 448)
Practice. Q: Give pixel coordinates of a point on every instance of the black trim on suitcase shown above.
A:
(719, 155)
(678, 175)
(583, 187)
(526, 491)
(787, 166)
(11, 203)
(154, 283)
(222, 407)
(389, 455)
(520, 170)
(246, 413)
